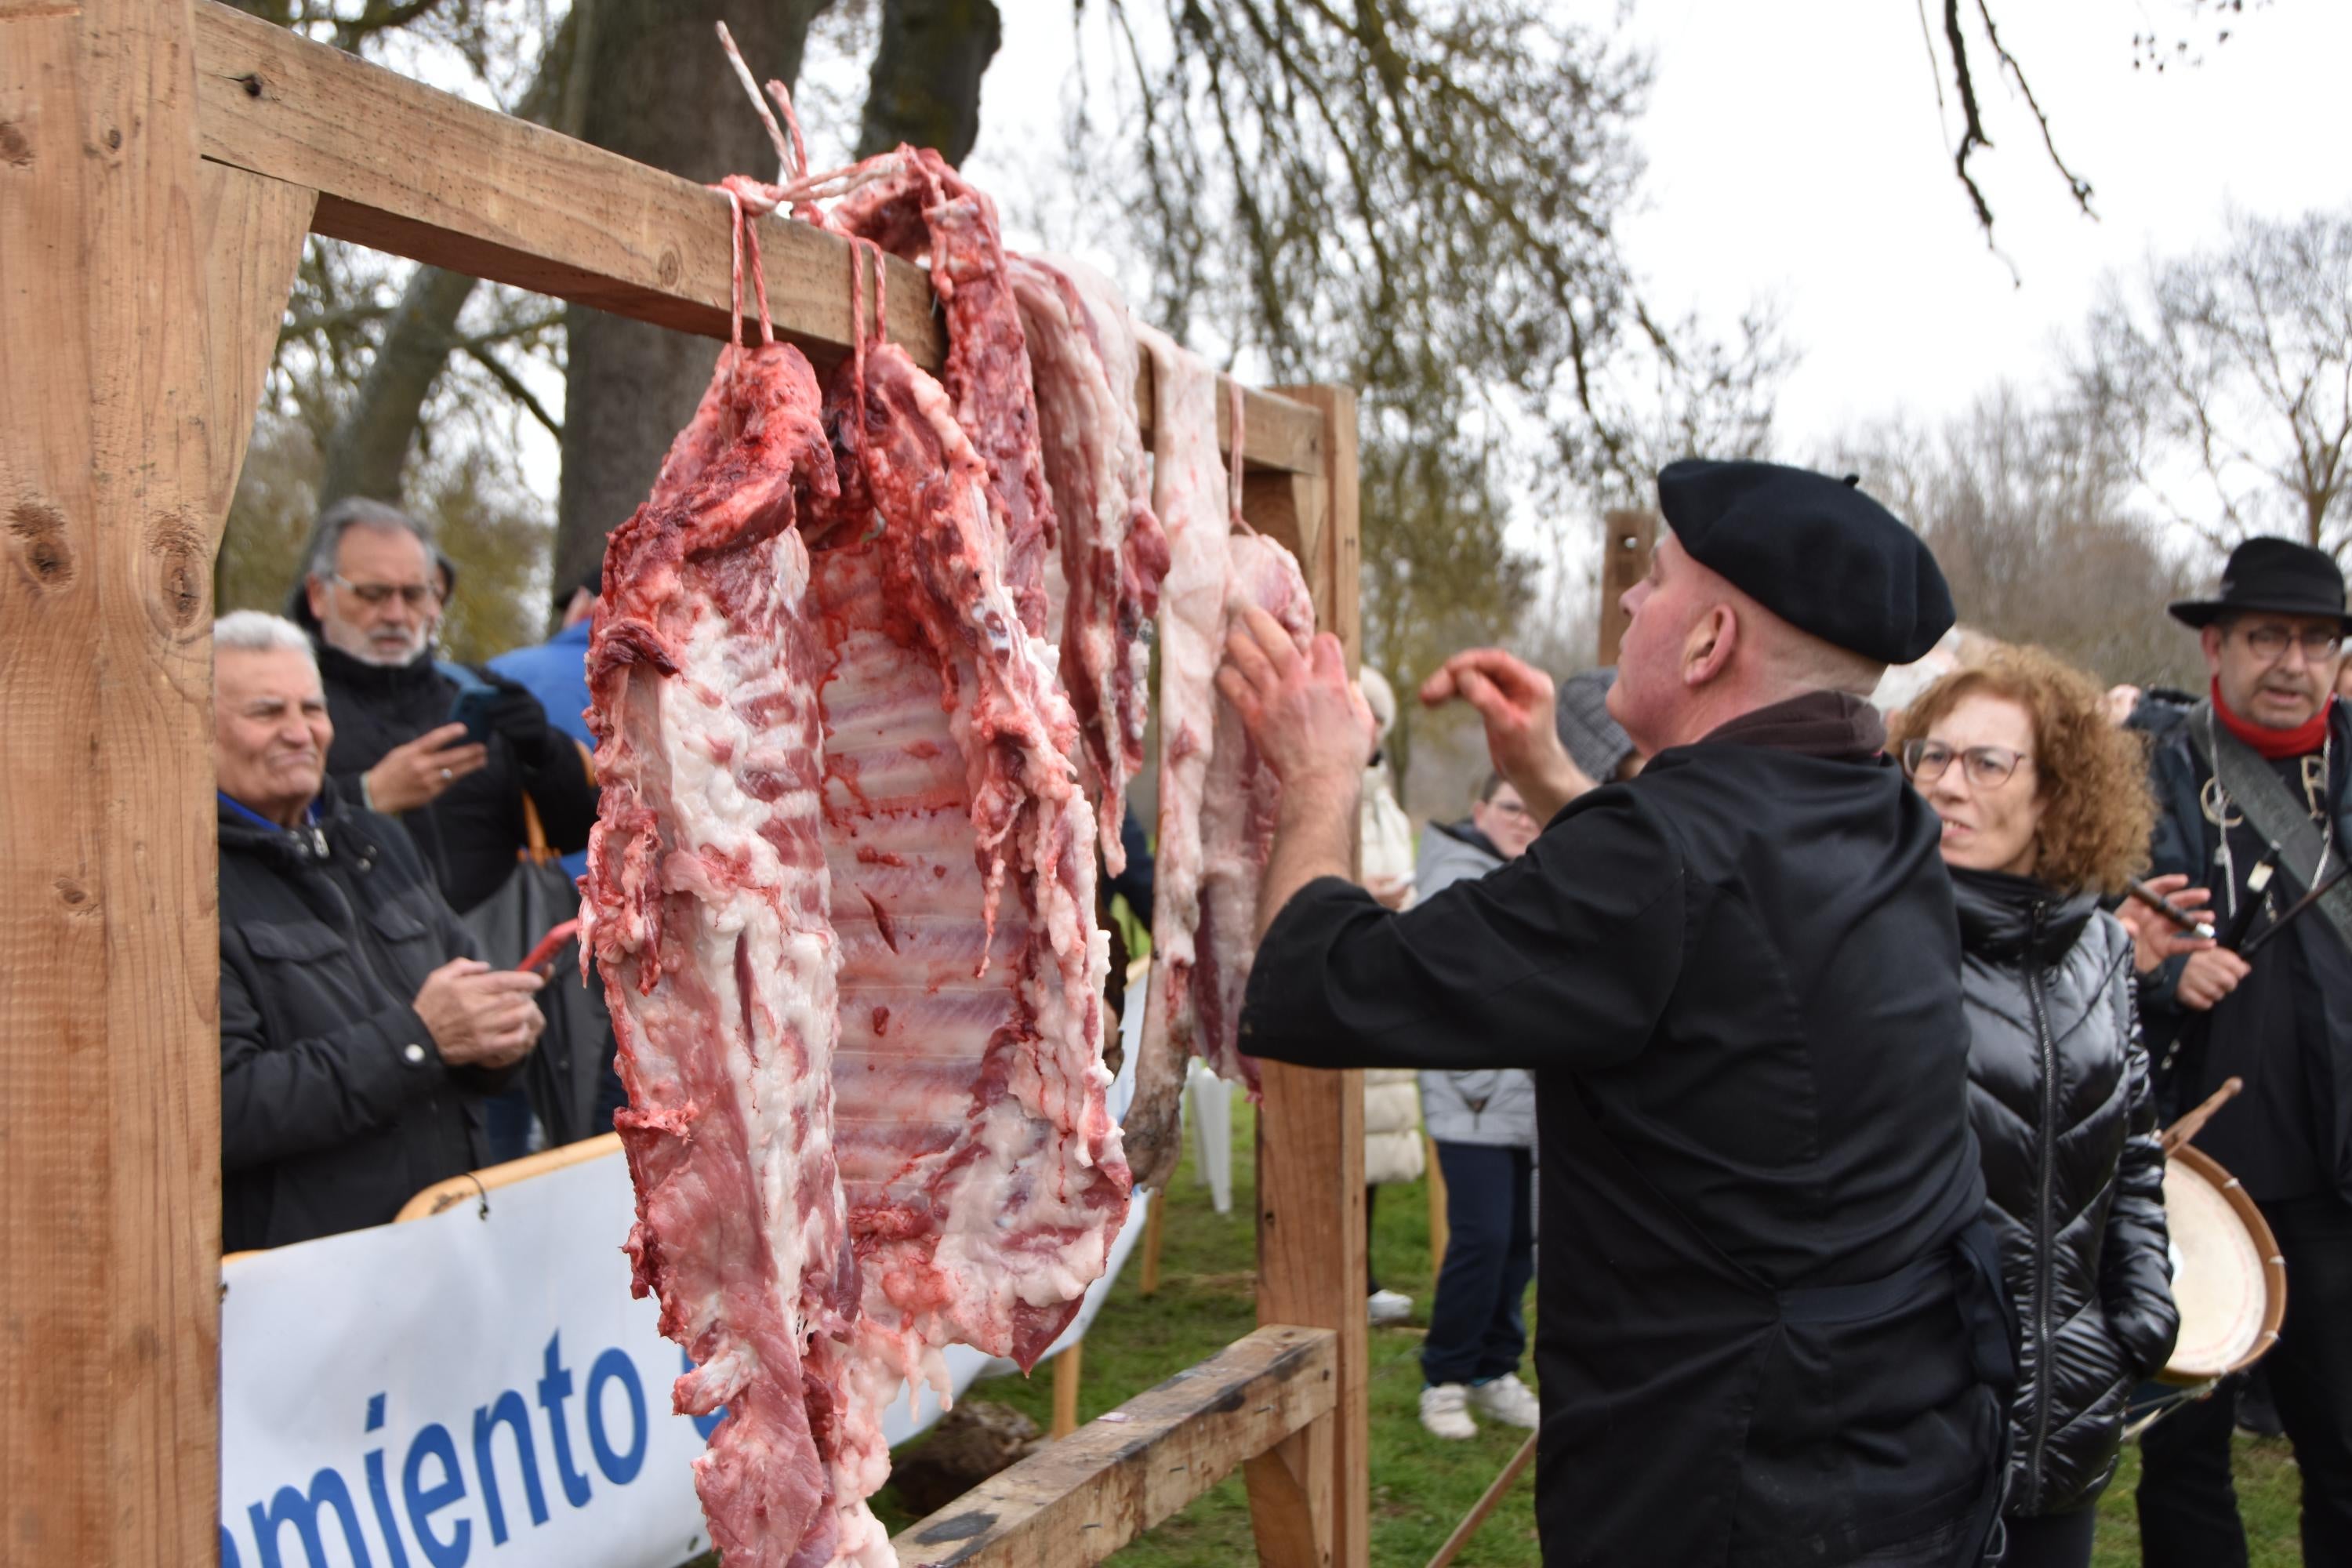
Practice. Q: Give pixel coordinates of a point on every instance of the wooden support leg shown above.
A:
(1069, 1368)
(1150, 1284)
(1309, 1501)
(120, 421)
(1440, 1229)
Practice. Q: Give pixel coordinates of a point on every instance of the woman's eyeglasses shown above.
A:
(1989, 767)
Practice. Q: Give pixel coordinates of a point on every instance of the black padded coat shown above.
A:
(336, 1106)
(2065, 1124)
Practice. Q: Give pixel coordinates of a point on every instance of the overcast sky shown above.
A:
(1796, 154)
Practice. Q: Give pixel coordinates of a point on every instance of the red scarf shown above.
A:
(2276, 745)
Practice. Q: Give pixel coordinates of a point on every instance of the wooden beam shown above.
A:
(250, 231)
(1310, 1503)
(1074, 1503)
(1627, 539)
(516, 203)
(109, 471)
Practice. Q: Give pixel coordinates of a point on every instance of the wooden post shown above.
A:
(1441, 1230)
(1628, 539)
(1309, 1496)
(120, 423)
(1152, 1224)
(1069, 1367)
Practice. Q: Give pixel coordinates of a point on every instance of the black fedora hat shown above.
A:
(2276, 576)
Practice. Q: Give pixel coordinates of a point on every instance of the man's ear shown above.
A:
(2210, 640)
(1706, 652)
(316, 593)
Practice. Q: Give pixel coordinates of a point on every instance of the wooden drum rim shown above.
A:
(2249, 1215)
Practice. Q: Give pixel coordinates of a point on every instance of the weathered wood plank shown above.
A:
(1310, 1128)
(1074, 1503)
(250, 235)
(1628, 537)
(500, 198)
(110, 1180)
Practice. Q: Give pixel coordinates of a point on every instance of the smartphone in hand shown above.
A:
(472, 708)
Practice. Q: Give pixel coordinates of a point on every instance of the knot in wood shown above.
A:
(178, 546)
(13, 148)
(40, 530)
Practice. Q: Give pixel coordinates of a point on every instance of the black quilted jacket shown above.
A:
(2058, 1097)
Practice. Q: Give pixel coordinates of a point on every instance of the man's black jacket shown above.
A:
(2287, 1030)
(1737, 979)
(2065, 1124)
(336, 1106)
(470, 836)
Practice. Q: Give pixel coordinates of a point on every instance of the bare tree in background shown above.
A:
(2230, 372)
(2027, 505)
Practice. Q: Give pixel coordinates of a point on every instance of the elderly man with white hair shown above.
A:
(1772, 1328)
(358, 1031)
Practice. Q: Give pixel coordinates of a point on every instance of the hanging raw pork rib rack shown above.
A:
(160, 162)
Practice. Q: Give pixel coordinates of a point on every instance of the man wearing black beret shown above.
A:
(1770, 1327)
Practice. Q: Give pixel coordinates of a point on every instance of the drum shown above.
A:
(2228, 1279)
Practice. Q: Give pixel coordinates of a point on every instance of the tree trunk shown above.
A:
(925, 89)
(369, 450)
(659, 90)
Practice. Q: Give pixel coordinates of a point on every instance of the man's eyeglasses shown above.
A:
(2270, 643)
(1987, 767)
(376, 595)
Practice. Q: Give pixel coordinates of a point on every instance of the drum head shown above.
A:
(2219, 1279)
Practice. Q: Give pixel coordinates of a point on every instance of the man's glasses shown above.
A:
(1987, 767)
(2270, 643)
(376, 595)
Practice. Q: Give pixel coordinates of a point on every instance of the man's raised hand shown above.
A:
(1305, 716)
(1514, 699)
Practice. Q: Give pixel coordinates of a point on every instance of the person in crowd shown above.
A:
(1391, 1103)
(556, 673)
(1773, 1328)
(1595, 742)
(2045, 807)
(2252, 802)
(1483, 1122)
(371, 597)
(358, 1031)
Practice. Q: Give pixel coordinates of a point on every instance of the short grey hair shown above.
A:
(258, 631)
(359, 511)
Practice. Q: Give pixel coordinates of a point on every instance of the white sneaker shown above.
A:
(1508, 1400)
(1444, 1413)
(1390, 1306)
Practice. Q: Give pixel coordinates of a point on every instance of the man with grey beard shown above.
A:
(372, 597)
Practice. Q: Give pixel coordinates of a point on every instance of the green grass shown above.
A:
(2270, 1492)
(1420, 1485)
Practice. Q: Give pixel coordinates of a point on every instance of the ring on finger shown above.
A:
(447, 776)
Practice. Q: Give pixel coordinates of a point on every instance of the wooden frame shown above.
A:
(160, 162)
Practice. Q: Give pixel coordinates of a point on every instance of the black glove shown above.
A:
(516, 714)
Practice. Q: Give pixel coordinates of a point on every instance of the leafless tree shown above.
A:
(2027, 505)
(2230, 372)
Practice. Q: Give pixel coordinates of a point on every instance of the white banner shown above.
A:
(477, 1388)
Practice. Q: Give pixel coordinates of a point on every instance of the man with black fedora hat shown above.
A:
(1771, 1329)
(2250, 791)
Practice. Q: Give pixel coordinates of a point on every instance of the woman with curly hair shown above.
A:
(2045, 806)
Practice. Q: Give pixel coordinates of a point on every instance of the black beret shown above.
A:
(1812, 550)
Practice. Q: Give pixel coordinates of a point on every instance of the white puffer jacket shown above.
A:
(1392, 1149)
(1495, 1105)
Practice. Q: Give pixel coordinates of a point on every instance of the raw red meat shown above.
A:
(706, 907)
(1238, 816)
(924, 208)
(1082, 350)
(841, 892)
(1190, 492)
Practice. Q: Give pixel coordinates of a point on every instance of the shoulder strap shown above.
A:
(2282, 820)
